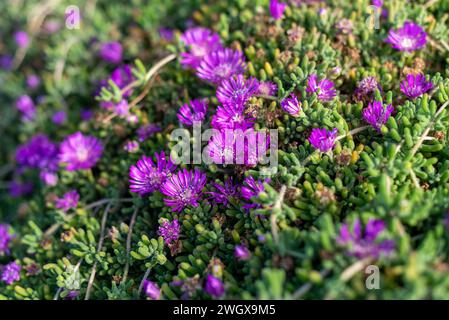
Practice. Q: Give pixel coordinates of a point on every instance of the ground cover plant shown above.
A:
(97, 202)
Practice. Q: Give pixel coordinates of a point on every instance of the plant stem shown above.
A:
(128, 243)
(273, 218)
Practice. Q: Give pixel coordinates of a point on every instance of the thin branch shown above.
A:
(128, 243)
(145, 276)
(429, 127)
(350, 271)
(307, 286)
(99, 247)
(273, 218)
(352, 132)
(104, 201)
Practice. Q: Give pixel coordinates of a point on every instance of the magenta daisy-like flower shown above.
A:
(195, 111)
(111, 51)
(38, 153)
(277, 9)
(214, 286)
(200, 42)
(184, 189)
(21, 38)
(231, 116)
(79, 152)
(221, 65)
(5, 238)
(146, 176)
(237, 90)
(291, 105)
(267, 88)
(322, 139)
(11, 273)
(366, 88)
(146, 131)
(415, 85)
(252, 188)
(122, 76)
(409, 38)
(368, 244)
(151, 290)
(224, 192)
(68, 201)
(241, 252)
(169, 231)
(323, 88)
(376, 114)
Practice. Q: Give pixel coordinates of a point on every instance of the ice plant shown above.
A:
(131, 146)
(151, 290)
(183, 189)
(146, 176)
(224, 192)
(277, 9)
(146, 131)
(366, 89)
(241, 252)
(231, 116)
(18, 189)
(366, 244)
(237, 90)
(59, 117)
(68, 201)
(409, 38)
(194, 111)
(122, 76)
(111, 51)
(323, 88)
(169, 231)
(33, 81)
(78, 151)
(214, 286)
(291, 105)
(10, 273)
(221, 65)
(267, 88)
(200, 42)
(5, 239)
(415, 85)
(376, 114)
(322, 139)
(26, 106)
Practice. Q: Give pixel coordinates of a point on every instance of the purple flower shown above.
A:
(376, 114)
(146, 176)
(26, 106)
(71, 295)
(409, 38)
(122, 76)
(33, 81)
(18, 189)
(195, 111)
(366, 89)
(151, 290)
(368, 244)
(169, 231)
(241, 252)
(21, 38)
(446, 222)
(183, 189)
(378, 3)
(121, 108)
(86, 114)
(267, 88)
(5, 238)
(231, 116)
(6, 62)
(166, 34)
(68, 201)
(224, 192)
(277, 9)
(220, 65)
(111, 52)
(200, 42)
(415, 85)
(80, 152)
(11, 273)
(291, 105)
(238, 147)
(146, 131)
(59, 117)
(237, 90)
(322, 139)
(214, 286)
(324, 88)
(42, 154)
(131, 146)
(252, 188)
